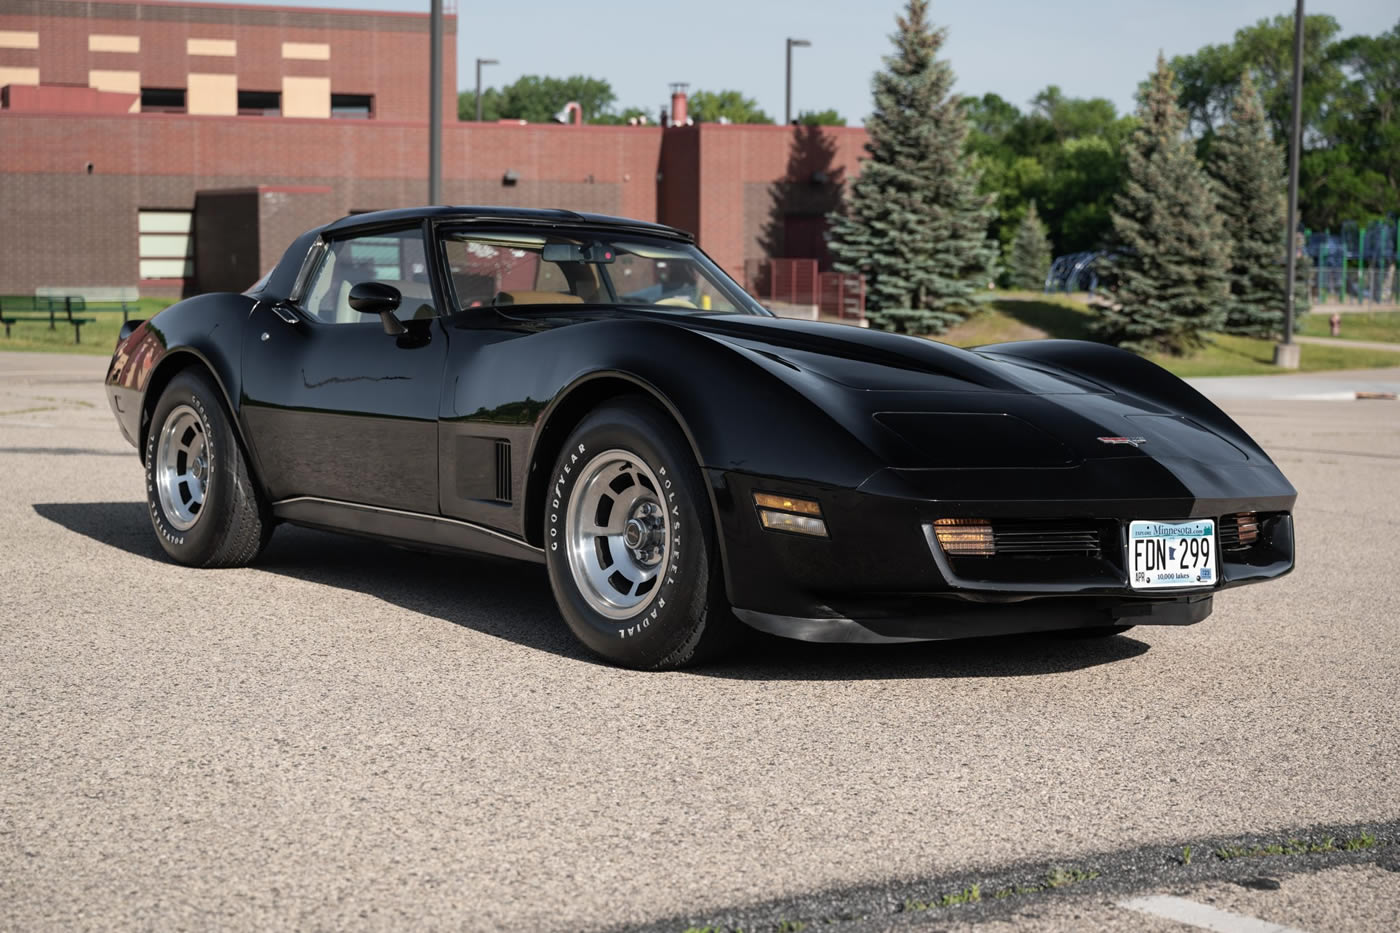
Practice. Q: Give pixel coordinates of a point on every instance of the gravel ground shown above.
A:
(354, 735)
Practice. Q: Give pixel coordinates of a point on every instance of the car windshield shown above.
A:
(510, 269)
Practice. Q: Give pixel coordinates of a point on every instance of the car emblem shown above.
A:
(1133, 441)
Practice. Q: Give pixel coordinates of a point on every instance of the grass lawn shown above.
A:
(1031, 316)
(1225, 355)
(1382, 326)
(99, 337)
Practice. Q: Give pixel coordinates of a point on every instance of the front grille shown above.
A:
(1034, 539)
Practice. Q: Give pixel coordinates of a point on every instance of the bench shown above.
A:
(39, 309)
(92, 299)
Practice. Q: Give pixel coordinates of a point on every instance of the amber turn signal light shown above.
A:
(784, 513)
(786, 504)
(1248, 524)
(965, 537)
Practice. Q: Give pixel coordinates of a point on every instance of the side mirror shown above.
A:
(381, 299)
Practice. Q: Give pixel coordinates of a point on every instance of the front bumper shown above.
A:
(884, 622)
(881, 575)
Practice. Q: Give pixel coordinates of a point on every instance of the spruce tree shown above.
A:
(915, 226)
(1172, 252)
(1028, 261)
(1249, 170)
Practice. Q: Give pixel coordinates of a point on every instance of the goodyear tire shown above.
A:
(204, 506)
(630, 542)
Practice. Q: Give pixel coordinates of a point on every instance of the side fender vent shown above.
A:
(503, 471)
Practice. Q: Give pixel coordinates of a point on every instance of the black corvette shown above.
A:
(594, 394)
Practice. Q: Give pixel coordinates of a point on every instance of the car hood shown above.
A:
(950, 408)
(874, 360)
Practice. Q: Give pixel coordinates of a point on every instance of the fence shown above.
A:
(797, 285)
(1357, 264)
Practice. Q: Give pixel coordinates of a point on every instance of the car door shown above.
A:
(336, 407)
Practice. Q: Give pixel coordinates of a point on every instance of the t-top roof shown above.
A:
(530, 215)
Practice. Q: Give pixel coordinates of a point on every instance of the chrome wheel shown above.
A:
(182, 467)
(618, 535)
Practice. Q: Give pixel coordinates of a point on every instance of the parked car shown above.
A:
(596, 395)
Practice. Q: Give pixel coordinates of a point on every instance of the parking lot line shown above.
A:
(1202, 915)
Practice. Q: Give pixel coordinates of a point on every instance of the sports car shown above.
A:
(596, 395)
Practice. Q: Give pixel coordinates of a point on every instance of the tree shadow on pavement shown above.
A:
(511, 600)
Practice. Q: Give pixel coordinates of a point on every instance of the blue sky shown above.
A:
(1091, 48)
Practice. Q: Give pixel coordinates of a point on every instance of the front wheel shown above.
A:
(204, 507)
(630, 543)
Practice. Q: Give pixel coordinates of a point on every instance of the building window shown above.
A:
(259, 103)
(162, 100)
(352, 106)
(165, 246)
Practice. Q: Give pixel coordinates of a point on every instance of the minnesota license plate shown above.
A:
(1166, 554)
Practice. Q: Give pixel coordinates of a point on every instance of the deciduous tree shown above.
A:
(538, 98)
(722, 106)
(820, 118)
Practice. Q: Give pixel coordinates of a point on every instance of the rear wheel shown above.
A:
(204, 507)
(630, 543)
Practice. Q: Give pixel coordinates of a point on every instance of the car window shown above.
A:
(666, 278)
(511, 269)
(396, 259)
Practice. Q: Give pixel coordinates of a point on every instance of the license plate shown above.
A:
(1171, 554)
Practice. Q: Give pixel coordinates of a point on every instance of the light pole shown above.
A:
(1287, 355)
(435, 103)
(787, 108)
(479, 63)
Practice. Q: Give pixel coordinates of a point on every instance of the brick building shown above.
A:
(178, 148)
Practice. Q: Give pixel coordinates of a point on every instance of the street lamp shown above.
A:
(787, 109)
(479, 63)
(1286, 354)
(435, 102)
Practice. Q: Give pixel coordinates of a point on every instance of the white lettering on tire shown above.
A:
(560, 485)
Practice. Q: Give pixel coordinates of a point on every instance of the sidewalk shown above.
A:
(1337, 385)
(1355, 344)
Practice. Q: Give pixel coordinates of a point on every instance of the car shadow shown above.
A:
(502, 598)
(768, 657)
(512, 600)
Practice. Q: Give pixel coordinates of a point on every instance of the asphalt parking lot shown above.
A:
(354, 736)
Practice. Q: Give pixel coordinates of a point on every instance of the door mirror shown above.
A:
(381, 299)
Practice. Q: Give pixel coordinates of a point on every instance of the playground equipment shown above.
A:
(1357, 264)
(1075, 272)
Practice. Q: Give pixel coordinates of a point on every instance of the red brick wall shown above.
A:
(730, 185)
(734, 160)
(383, 54)
(162, 160)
